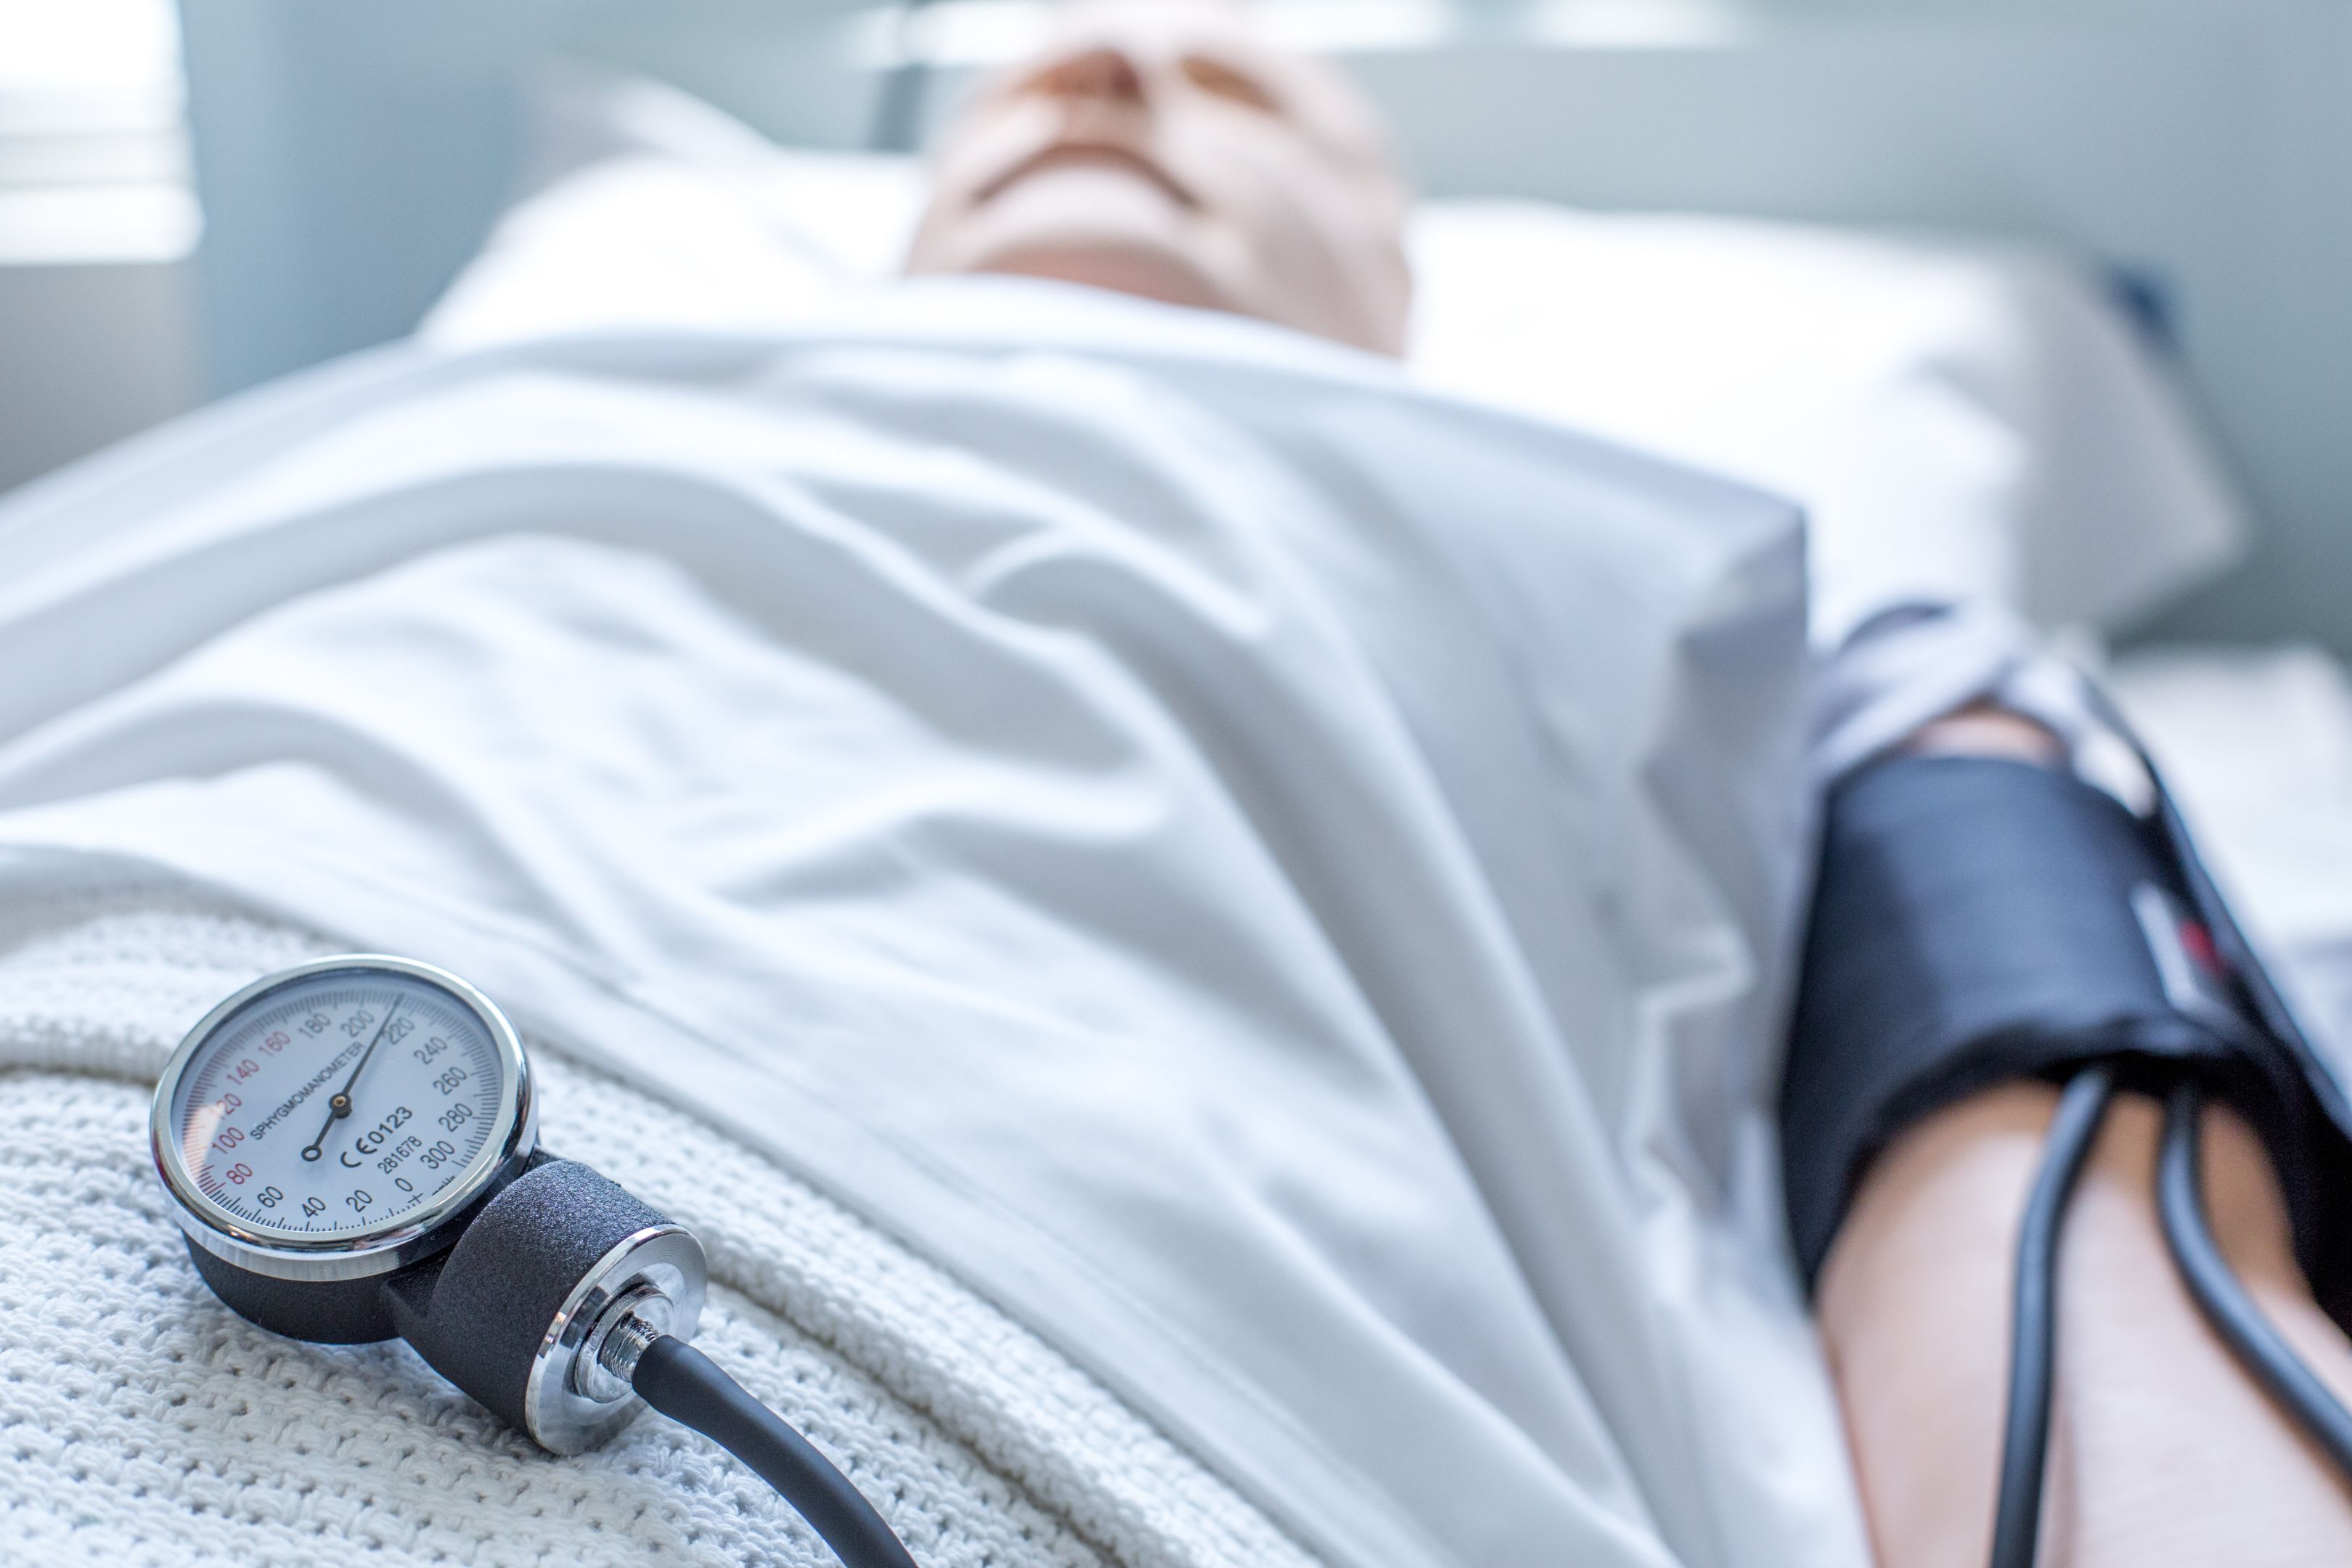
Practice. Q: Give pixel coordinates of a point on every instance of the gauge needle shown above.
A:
(340, 1105)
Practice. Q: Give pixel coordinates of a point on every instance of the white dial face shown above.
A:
(341, 1104)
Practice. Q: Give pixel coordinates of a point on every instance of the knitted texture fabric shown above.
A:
(142, 1422)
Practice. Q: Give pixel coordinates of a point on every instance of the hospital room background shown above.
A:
(2083, 265)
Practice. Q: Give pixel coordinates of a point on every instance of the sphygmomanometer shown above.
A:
(351, 1148)
(1979, 920)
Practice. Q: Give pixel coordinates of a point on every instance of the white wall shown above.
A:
(88, 352)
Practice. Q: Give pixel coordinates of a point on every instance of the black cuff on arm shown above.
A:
(1979, 920)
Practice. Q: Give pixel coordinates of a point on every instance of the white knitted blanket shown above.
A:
(142, 1422)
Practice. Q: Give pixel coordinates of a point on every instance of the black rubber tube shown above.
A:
(688, 1387)
(2259, 1346)
(2033, 1329)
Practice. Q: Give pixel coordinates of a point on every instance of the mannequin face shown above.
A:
(1158, 148)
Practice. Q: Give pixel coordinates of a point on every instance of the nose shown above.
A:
(1104, 72)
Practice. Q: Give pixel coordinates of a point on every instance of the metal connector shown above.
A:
(625, 1343)
(608, 1358)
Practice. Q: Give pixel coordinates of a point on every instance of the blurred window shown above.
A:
(93, 138)
(993, 32)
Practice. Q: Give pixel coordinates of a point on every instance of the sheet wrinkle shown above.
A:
(1109, 442)
(1783, 640)
(1195, 703)
(1144, 630)
(1591, 1136)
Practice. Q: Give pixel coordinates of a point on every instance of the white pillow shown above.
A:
(1959, 419)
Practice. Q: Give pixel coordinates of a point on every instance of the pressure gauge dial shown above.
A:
(328, 1123)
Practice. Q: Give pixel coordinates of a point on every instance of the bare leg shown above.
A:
(2163, 1452)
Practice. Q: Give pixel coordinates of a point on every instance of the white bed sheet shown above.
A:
(1282, 880)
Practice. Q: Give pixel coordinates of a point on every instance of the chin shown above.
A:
(1102, 225)
(1123, 265)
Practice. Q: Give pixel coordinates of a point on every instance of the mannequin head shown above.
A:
(1159, 148)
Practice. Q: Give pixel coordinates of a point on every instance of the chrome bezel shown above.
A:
(379, 1251)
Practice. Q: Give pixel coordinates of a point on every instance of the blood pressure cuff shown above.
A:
(1979, 920)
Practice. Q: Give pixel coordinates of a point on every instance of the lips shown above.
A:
(1086, 155)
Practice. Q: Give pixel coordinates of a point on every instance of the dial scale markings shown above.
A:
(422, 1104)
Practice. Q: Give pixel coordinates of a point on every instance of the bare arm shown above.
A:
(2163, 1451)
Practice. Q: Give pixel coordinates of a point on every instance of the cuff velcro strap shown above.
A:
(1979, 920)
